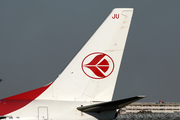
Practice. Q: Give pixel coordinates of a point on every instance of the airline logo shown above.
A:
(97, 65)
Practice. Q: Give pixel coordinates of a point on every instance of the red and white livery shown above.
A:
(84, 90)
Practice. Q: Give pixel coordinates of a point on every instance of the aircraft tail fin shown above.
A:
(92, 74)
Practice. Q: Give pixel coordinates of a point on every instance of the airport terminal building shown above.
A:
(159, 107)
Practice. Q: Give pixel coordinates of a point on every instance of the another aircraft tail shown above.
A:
(92, 74)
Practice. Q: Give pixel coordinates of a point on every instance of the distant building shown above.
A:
(159, 107)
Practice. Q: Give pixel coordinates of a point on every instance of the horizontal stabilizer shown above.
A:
(107, 106)
(3, 117)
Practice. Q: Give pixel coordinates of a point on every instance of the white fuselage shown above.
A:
(50, 109)
(54, 110)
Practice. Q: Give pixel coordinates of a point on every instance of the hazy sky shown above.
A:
(39, 38)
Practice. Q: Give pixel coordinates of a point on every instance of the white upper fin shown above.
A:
(92, 74)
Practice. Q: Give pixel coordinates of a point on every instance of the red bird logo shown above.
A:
(97, 65)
